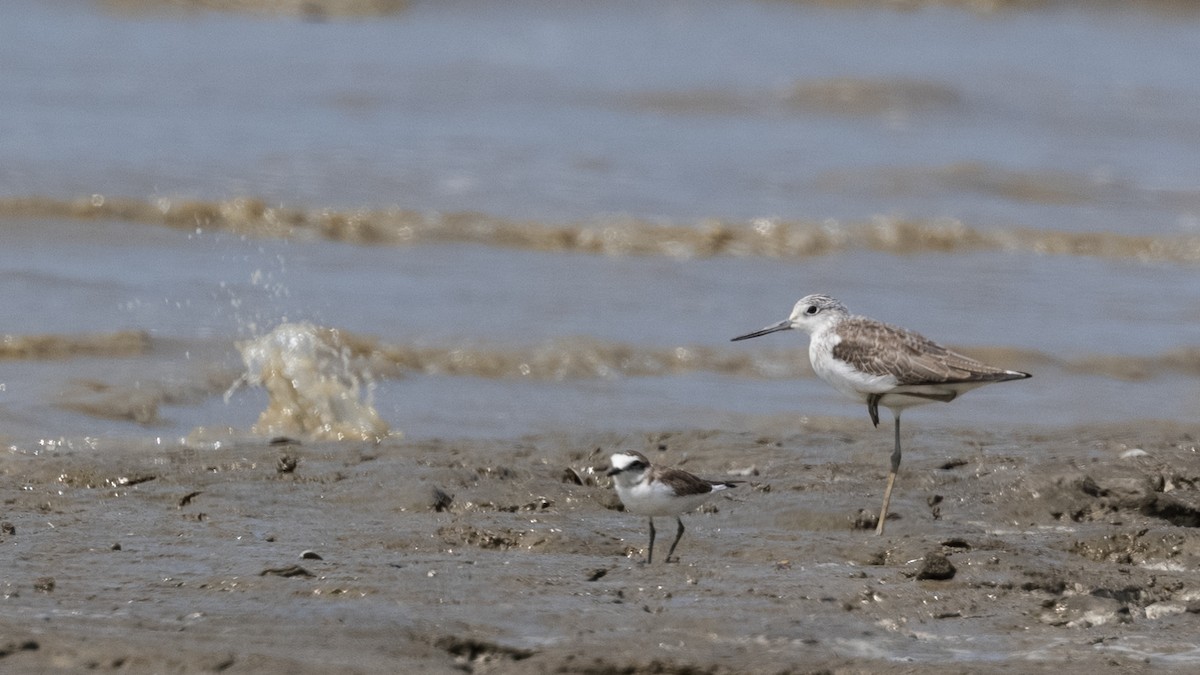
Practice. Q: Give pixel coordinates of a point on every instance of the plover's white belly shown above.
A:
(657, 499)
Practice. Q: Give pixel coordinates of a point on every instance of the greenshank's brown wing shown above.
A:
(877, 348)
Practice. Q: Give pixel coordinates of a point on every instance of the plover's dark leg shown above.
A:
(650, 553)
(891, 481)
(678, 536)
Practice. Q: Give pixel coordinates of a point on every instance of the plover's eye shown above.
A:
(812, 309)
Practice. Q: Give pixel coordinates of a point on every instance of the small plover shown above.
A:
(650, 490)
(879, 364)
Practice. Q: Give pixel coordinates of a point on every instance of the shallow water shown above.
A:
(545, 218)
(532, 340)
(529, 111)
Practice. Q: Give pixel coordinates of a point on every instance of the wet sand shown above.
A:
(1070, 549)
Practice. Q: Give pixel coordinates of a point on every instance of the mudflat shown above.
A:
(1014, 550)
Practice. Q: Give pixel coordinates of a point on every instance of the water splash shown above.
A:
(314, 385)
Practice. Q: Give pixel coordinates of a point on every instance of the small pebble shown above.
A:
(286, 464)
(936, 567)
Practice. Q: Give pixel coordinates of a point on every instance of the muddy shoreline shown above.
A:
(1069, 548)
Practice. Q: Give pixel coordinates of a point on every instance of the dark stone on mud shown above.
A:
(936, 567)
(14, 647)
(286, 464)
(7, 528)
(441, 500)
(597, 574)
(289, 571)
(44, 584)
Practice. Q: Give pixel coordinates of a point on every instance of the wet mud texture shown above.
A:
(1021, 551)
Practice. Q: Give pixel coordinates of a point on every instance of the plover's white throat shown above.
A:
(650, 490)
(880, 364)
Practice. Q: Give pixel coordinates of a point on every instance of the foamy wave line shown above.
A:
(48, 347)
(305, 8)
(588, 358)
(762, 237)
(583, 358)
